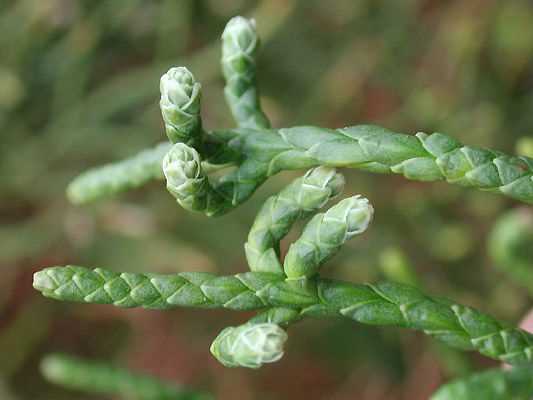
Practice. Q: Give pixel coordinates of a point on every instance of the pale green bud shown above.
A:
(324, 235)
(249, 345)
(239, 38)
(320, 185)
(240, 44)
(183, 172)
(180, 104)
(358, 213)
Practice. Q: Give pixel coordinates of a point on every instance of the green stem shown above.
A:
(380, 304)
(144, 167)
(371, 148)
(375, 149)
(118, 177)
(102, 378)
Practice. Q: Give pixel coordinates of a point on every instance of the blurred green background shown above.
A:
(79, 87)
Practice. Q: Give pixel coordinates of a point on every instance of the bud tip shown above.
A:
(249, 345)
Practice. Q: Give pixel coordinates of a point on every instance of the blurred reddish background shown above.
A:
(79, 87)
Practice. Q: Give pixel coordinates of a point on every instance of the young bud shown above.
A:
(249, 345)
(325, 234)
(318, 186)
(180, 105)
(239, 38)
(183, 172)
(356, 211)
(240, 44)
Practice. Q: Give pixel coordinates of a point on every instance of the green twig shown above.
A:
(276, 217)
(118, 177)
(367, 147)
(380, 304)
(375, 149)
(134, 172)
